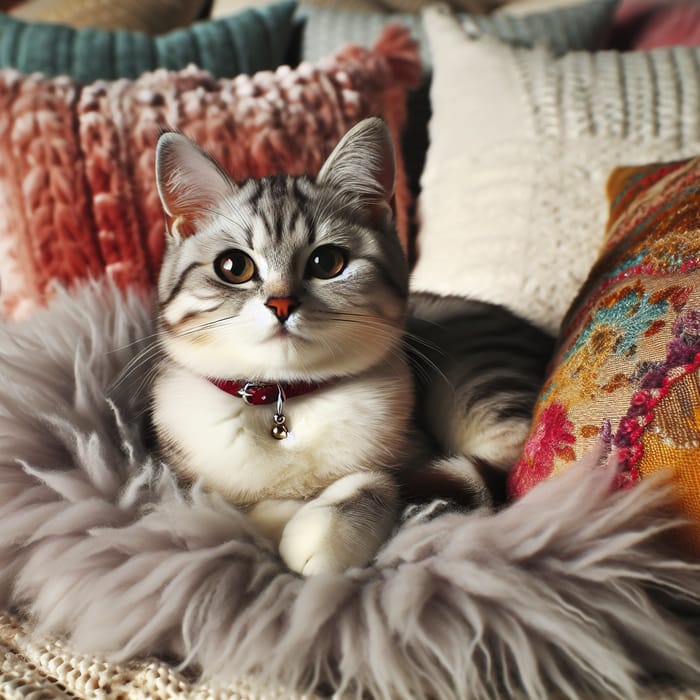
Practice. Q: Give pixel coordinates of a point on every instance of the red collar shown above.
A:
(258, 394)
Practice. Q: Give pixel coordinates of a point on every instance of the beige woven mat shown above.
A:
(47, 670)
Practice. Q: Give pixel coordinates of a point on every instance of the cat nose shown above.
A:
(282, 307)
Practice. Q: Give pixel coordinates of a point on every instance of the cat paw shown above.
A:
(314, 542)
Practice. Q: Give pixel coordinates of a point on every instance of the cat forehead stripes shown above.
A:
(282, 204)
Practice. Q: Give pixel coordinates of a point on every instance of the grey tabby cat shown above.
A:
(300, 379)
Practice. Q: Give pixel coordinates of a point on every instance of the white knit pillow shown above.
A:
(513, 201)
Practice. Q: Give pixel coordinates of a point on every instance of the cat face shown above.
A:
(282, 278)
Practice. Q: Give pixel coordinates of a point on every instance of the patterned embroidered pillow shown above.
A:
(512, 203)
(252, 40)
(627, 367)
(77, 190)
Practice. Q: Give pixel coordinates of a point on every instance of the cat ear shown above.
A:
(363, 163)
(190, 183)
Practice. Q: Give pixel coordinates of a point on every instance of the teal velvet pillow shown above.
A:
(246, 42)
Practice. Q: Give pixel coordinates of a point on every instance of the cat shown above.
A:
(300, 379)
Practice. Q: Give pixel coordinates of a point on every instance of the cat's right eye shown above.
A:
(234, 267)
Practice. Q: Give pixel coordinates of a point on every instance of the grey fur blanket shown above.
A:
(568, 590)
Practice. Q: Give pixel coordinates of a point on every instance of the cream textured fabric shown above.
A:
(513, 199)
(150, 16)
(46, 669)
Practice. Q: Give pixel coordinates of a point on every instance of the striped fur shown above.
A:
(478, 371)
(330, 493)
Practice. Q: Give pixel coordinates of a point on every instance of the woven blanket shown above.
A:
(47, 668)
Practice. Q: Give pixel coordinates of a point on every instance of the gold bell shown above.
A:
(279, 429)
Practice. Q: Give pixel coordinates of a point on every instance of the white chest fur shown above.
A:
(357, 423)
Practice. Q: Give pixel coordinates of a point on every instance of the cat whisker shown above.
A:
(422, 368)
(205, 326)
(133, 343)
(136, 362)
(348, 315)
(146, 383)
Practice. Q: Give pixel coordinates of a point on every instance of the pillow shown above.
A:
(512, 204)
(565, 28)
(627, 367)
(570, 26)
(255, 39)
(77, 189)
(150, 16)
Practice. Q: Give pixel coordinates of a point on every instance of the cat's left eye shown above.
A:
(234, 267)
(326, 262)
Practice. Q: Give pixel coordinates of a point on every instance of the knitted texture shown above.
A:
(49, 669)
(77, 189)
(628, 362)
(253, 40)
(571, 27)
(150, 16)
(513, 202)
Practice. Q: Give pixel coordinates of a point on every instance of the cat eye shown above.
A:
(234, 267)
(326, 262)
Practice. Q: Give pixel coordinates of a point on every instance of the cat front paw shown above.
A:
(343, 527)
(312, 543)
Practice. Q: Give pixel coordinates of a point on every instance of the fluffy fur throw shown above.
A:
(569, 589)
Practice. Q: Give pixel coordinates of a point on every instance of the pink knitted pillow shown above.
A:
(77, 192)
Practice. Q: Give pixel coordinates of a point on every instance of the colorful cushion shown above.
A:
(580, 26)
(252, 40)
(150, 16)
(512, 205)
(627, 368)
(77, 190)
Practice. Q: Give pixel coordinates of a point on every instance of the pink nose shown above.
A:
(282, 307)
